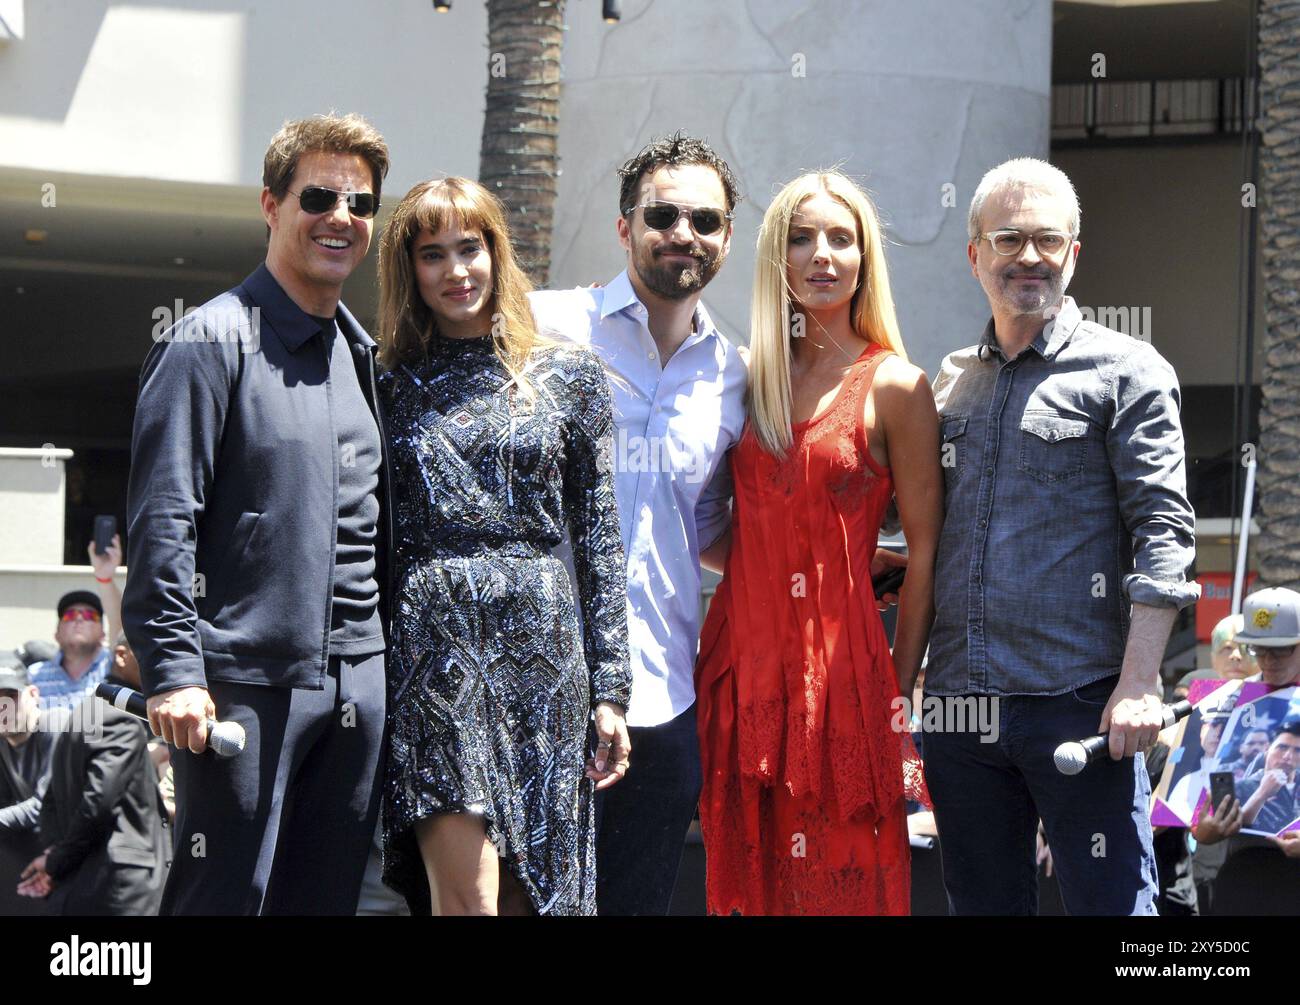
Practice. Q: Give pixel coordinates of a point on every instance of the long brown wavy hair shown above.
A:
(406, 325)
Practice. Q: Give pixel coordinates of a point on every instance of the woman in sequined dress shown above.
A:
(501, 443)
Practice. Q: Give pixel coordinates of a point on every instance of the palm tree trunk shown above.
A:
(518, 160)
(1278, 549)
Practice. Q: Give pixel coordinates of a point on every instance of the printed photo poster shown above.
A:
(1192, 748)
(1261, 747)
(1237, 727)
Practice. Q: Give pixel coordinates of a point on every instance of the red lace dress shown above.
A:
(802, 807)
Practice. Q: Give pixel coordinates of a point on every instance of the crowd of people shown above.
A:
(84, 808)
(447, 579)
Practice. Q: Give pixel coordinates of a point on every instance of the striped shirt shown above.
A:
(58, 690)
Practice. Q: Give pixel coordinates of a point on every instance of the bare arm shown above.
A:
(905, 414)
(1134, 715)
(110, 596)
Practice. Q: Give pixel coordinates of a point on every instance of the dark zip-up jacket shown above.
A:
(103, 818)
(234, 492)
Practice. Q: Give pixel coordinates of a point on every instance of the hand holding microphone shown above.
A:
(1074, 756)
(184, 717)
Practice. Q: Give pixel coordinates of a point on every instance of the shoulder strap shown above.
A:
(864, 372)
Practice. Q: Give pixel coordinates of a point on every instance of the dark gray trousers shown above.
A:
(285, 827)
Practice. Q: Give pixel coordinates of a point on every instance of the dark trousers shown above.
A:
(284, 827)
(988, 798)
(641, 822)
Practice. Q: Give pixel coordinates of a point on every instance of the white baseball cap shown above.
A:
(1272, 618)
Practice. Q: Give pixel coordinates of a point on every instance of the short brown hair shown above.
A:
(335, 134)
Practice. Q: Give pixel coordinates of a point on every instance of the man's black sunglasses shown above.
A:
(315, 199)
(664, 216)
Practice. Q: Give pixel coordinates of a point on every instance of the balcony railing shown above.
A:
(1145, 109)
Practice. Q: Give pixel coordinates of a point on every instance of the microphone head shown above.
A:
(1070, 758)
(226, 738)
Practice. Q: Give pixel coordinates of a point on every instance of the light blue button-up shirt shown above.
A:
(676, 423)
(58, 690)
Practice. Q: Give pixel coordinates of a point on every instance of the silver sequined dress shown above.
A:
(491, 682)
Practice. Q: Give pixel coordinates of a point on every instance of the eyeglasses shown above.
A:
(315, 199)
(80, 614)
(1278, 652)
(664, 216)
(1047, 243)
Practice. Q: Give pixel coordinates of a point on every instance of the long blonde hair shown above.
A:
(871, 310)
(406, 325)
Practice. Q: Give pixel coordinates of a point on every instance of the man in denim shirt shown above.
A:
(1061, 567)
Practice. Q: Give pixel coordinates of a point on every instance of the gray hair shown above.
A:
(1024, 173)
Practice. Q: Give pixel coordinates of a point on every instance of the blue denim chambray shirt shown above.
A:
(676, 422)
(1066, 502)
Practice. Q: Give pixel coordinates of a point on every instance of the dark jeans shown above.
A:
(641, 822)
(286, 826)
(988, 798)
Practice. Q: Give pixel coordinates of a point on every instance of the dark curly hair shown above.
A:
(673, 151)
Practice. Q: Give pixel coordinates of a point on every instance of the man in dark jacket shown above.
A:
(26, 752)
(258, 538)
(101, 819)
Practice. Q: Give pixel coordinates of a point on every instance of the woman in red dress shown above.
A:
(802, 741)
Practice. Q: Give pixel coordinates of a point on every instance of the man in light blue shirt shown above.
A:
(82, 662)
(679, 402)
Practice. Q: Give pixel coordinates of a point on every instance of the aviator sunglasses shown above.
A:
(664, 216)
(315, 199)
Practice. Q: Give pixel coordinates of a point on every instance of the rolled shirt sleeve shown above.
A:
(1146, 451)
(713, 510)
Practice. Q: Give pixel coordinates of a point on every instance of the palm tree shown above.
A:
(1279, 473)
(518, 159)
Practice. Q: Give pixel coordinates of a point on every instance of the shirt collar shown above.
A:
(291, 323)
(1052, 339)
(620, 295)
(1057, 332)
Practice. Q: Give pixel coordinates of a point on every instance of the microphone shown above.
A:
(225, 738)
(1075, 755)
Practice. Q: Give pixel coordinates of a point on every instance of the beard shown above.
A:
(676, 280)
(1031, 301)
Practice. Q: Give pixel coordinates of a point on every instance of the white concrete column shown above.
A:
(907, 98)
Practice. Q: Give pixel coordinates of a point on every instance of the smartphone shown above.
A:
(1222, 784)
(889, 581)
(105, 530)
